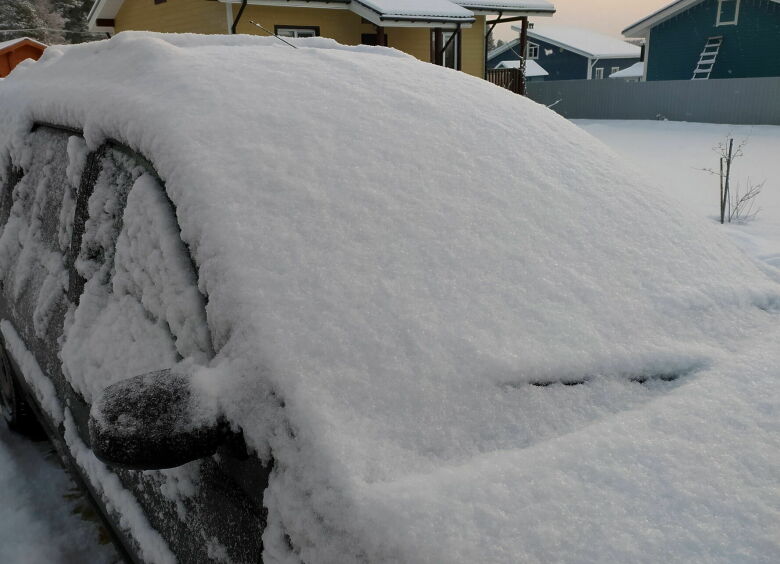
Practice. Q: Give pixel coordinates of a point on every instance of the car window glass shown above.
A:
(12, 177)
(32, 268)
(152, 264)
(117, 174)
(140, 309)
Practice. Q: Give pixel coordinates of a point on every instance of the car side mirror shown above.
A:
(153, 421)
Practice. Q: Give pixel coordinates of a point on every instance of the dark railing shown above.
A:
(511, 79)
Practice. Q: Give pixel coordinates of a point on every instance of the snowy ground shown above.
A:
(43, 516)
(672, 155)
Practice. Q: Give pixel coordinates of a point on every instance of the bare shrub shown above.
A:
(739, 205)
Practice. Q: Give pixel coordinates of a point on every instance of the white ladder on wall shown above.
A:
(707, 58)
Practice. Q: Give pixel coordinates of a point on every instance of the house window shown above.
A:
(450, 57)
(533, 51)
(451, 53)
(297, 31)
(728, 12)
(599, 73)
(614, 70)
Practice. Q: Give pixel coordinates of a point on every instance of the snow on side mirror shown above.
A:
(152, 421)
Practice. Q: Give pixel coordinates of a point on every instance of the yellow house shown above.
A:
(452, 33)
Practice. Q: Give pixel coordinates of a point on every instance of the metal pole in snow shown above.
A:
(722, 201)
(728, 174)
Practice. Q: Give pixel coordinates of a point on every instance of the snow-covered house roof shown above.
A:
(637, 70)
(379, 12)
(381, 341)
(532, 68)
(640, 28)
(584, 42)
(5, 45)
(384, 11)
(526, 7)
(14, 51)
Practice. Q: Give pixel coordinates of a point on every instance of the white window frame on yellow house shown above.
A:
(297, 31)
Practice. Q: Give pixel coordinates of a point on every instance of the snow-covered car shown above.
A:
(331, 304)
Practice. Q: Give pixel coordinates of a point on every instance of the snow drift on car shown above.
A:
(403, 265)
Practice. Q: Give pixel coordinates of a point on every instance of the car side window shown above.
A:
(140, 309)
(32, 266)
(13, 175)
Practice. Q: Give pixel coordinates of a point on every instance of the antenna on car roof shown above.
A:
(272, 33)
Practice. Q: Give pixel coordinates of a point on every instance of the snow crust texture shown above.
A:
(389, 272)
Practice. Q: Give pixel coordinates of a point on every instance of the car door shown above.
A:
(34, 241)
(100, 287)
(136, 308)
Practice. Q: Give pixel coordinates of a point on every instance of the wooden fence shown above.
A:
(511, 79)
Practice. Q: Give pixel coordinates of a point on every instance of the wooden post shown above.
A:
(459, 47)
(381, 38)
(438, 47)
(523, 53)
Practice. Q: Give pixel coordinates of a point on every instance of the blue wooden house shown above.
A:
(569, 53)
(701, 39)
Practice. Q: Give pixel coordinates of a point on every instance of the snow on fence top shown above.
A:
(385, 285)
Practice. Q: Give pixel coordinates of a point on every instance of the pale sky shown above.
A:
(605, 16)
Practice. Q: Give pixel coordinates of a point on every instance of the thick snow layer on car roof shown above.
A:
(389, 268)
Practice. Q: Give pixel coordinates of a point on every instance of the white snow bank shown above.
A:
(388, 269)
